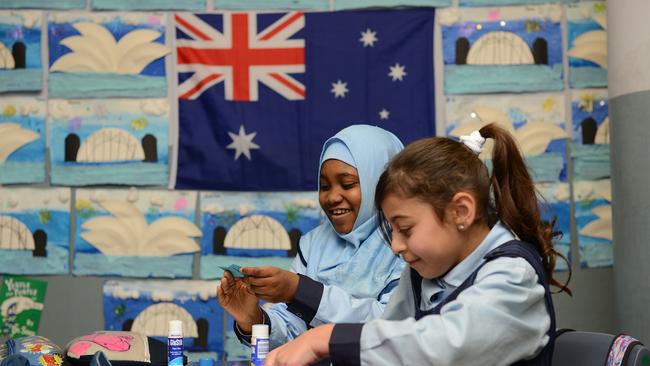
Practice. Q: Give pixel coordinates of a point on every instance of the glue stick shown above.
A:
(259, 344)
(175, 343)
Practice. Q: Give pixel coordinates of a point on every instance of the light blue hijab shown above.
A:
(358, 261)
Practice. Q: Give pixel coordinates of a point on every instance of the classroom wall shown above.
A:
(74, 304)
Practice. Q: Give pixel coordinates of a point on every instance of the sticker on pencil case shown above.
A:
(234, 270)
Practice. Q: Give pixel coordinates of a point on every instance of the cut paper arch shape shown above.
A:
(153, 320)
(128, 234)
(602, 227)
(16, 305)
(594, 134)
(592, 45)
(258, 232)
(110, 144)
(533, 137)
(15, 235)
(6, 58)
(13, 137)
(501, 48)
(96, 50)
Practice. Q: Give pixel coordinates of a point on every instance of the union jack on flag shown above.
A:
(259, 93)
(241, 56)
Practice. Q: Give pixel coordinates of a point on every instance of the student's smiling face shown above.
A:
(339, 194)
(428, 244)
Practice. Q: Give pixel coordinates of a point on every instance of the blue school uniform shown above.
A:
(343, 278)
(503, 316)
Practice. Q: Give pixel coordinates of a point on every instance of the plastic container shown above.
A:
(175, 343)
(259, 344)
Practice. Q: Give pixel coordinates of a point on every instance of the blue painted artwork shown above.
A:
(249, 229)
(107, 55)
(272, 4)
(501, 50)
(109, 141)
(556, 205)
(509, 2)
(147, 306)
(358, 4)
(593, 215)
(22, 140)
(587, 40)
(20, 51)
(42, 4)
(590, 148)
(536, 121)
(135, 233)
(189, 5)
(34, 230)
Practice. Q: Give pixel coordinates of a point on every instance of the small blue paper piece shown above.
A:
(234, 270)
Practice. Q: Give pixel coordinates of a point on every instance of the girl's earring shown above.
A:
(461, 227)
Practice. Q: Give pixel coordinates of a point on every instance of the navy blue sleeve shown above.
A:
(345, 344)
(307, 299)
(246, 338)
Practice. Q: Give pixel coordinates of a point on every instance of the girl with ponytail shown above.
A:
(480, 263)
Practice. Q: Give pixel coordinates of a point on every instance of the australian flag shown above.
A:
(259, 93)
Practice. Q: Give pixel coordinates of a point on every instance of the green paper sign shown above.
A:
(21, 304)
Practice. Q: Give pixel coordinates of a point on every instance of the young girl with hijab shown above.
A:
(343, 272)
(476, 288)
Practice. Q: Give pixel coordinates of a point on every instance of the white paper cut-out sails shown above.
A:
(13, 137)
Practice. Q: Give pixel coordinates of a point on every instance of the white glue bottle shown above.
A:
(259, 344)
(175, 343)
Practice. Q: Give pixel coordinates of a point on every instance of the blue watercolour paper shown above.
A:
(506, 49)
(509, 2)
(253, 229)
(271, 4)
(593, 215)
(196, 5)
(109, 141)
(590, 148)
(234, 270)
(22, 140)
(107, 54)
(135, 232)
(358, 4)
(20, 51)
(42, 4)
(555, 205)
(587, 40)
(147, 306)
(34, 230)
(536, 121)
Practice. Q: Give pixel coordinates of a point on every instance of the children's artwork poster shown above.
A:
(319, 5)
(21, 305)
(135, 232)
(254, 228)
(148, 306)
(590, 147)
(109, 141)
(20, 51)
(587, 39)
(356, 4)
(509, 2)
(555, 206)
(43, 4)
(502, 49)
(34, 230)
(189, 5)
(593, 215)
(22, 140)
(107, 55)
(537, 122)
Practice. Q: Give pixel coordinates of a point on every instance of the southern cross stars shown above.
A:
(242, 143)
(368, 38)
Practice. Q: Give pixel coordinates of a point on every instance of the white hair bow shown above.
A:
(474, 141)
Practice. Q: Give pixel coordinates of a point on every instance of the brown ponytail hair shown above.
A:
(435, 169)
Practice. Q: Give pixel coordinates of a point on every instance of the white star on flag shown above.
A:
(397, 72)
(368, 38)
(339, 89)
(242, 143)
(384, 114)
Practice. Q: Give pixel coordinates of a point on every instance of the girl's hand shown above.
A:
(304, 350)
(237, 299)
(271, 283)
